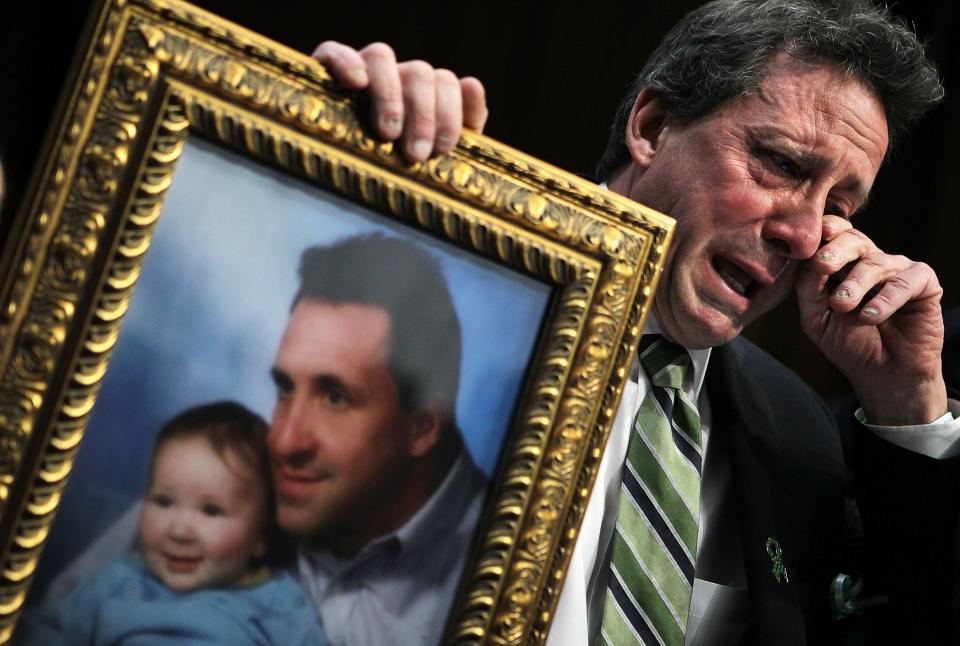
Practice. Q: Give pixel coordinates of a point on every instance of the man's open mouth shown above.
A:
(735, 278)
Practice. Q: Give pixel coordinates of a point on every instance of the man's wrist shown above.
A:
(894, 406)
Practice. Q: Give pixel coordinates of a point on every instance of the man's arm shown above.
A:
(877, 317)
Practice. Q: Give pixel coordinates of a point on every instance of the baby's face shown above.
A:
(203, 516)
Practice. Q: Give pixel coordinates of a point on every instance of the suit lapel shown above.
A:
(746, 424)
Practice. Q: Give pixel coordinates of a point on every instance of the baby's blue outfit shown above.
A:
(125, 604)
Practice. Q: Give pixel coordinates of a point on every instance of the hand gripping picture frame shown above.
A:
(215, 233)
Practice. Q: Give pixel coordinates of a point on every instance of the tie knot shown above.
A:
(667, 364)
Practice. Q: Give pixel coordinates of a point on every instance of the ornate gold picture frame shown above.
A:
(165, 93)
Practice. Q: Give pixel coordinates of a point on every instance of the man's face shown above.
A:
(749, 184)
(338, 439)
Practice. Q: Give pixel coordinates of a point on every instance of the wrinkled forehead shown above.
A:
(827, 83)
(824, 104)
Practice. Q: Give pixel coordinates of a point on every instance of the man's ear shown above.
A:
(647, 121)
(424, 428)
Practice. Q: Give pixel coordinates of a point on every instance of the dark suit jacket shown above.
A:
(789, 477)
(951, 348)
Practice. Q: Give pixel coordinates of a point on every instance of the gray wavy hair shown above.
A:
(721, 50)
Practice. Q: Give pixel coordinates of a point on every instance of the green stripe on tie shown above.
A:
(634, 529)
(664, 493)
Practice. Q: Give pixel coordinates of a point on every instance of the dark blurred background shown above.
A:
(554, 73)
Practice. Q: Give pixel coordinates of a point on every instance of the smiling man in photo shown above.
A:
(370, 469)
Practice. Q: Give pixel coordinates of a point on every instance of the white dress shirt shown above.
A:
(398, 589)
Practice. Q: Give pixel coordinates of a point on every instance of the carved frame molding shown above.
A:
(157, 72)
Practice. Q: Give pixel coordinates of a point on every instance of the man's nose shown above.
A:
(795, 228)
(291, 435)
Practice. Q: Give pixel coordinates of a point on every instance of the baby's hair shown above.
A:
(227, 426)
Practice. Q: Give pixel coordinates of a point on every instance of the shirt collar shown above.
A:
(426, 522)
(700, 358)
(433, 516)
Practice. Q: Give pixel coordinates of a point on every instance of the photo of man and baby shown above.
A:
(295, 435)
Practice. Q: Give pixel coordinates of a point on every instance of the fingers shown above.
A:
(474, 103)
(344, 63)
(422, 107)
(386, 90)
(419, 104)
(833, 226)
(840, 244)
(874, 280)
(449, 110)
(850, 274)
(374, 68)
(914, 283)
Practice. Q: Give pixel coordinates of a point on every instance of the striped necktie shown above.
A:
(655, 542)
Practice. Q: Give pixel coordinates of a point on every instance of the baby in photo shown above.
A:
(200, 573)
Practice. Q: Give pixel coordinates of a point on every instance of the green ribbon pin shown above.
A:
(776, 556)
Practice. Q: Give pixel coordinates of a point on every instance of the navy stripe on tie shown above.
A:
(659, 525)
(632, 613)
(664, 397)
(691, 452)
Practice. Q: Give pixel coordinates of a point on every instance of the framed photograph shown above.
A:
(276, 361)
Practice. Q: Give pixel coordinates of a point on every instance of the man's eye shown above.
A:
(785, 165)
(836, 209)
(282, 382)
(332, 391)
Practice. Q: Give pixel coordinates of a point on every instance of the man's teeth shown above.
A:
(736, 279)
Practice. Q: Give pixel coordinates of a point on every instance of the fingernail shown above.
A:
(842, 294)
(420, 149)
(870, 311)
(358, 74)
(445, 143)
(826, 254)
(390, 126)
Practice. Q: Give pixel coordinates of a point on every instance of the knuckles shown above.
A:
(327, 49)
(418, 70)
(446, 77)
(899, 282)
(379, 52)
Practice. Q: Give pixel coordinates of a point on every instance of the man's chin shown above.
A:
(298, 522)
(704, 330)
(697, 319)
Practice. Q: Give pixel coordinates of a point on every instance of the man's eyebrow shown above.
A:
(279, 376)
(788, 145)
(328, 382)
(806, 159)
